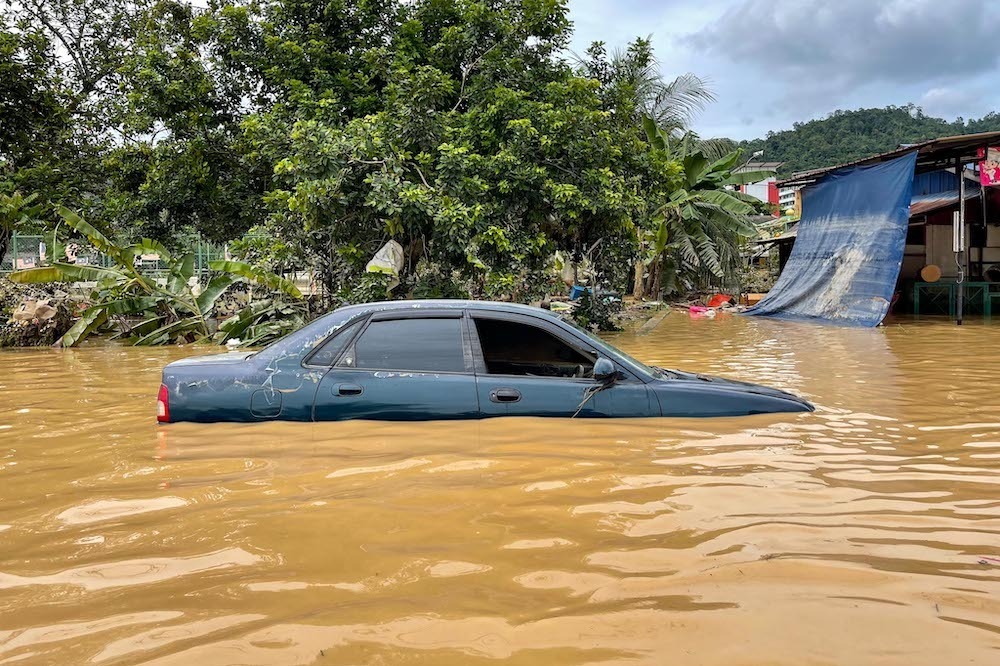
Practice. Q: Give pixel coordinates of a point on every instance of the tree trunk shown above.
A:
(637, 282)
(652, 284)
(4, 242)
(655, 279)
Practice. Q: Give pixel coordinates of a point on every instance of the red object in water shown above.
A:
(719, 300)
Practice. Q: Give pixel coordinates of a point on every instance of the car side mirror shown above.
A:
(604, 370)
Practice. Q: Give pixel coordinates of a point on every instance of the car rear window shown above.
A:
(421, 345)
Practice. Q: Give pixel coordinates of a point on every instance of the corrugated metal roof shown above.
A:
(758, 166)
(790, 234)
(922, 204)
(948, 147)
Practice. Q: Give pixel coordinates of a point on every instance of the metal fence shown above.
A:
(28, 251)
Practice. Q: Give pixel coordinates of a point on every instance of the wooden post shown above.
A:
(960, 170)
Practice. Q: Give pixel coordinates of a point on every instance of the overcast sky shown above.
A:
(775, 62)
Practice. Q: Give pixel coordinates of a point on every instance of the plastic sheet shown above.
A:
(849, 249)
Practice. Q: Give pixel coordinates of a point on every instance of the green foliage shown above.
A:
(170, 309)
(432, 280)
(324, 129)
(59, 96)
(17, 212)
(844, 136)
(598, 313)
(260, 249)
(262, 321)
(370, 288)
(704, 222)
(757, 279)
(270, 280)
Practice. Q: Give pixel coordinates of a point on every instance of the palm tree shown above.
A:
(632, 77)
(704, 222)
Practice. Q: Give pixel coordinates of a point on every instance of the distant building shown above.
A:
(787, 197)
(766, 190)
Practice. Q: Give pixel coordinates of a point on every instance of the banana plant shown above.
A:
(169, 310)
(704, 222)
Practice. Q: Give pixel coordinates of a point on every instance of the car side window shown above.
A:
(328, 353)
(418, 345)
(514, 348)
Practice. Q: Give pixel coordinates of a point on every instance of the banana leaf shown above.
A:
(150, 246)
(265, 331)
(236, 326)
(96, 238)
(256, 275)
(653, 133)
(65, 273)
(725, 200)
(695, 167)
(727, 162)
(139, 329)
(131, 306)
(166, 332)
(92, 319)
(210, 294)
(180, 272)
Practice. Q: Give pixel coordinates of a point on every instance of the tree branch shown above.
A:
(468, 70)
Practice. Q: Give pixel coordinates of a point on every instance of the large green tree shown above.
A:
(59, 95)
(466, 138)
(460, 128)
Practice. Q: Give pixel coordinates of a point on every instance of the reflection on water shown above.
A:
(866, 532)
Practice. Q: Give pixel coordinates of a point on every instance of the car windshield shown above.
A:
(603, 346)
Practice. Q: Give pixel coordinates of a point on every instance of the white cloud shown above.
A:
(775, 62)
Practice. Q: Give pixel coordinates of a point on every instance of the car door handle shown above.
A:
(349, 389)
(505, 395)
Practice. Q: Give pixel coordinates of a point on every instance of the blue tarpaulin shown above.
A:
(846, 258)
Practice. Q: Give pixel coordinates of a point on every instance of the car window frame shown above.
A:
(416, 313)
(537, 322)
(340, 329)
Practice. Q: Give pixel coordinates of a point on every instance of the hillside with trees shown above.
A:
(844, 136)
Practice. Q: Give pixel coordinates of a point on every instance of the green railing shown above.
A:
(26, 251)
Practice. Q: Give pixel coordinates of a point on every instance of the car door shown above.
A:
(401, 366)
(526, 366)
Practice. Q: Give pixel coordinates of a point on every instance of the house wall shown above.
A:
(938, 250)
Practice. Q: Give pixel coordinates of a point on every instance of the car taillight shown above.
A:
(163, 405)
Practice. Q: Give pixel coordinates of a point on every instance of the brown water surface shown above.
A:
(865, 533)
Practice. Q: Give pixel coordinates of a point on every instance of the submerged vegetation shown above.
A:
(149, 310)
(307, 134)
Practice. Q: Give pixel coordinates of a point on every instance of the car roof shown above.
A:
(449, 303)
(305, 338)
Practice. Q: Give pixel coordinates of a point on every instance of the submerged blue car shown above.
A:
(445, 359)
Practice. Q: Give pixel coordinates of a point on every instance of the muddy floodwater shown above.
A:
(867, 532)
